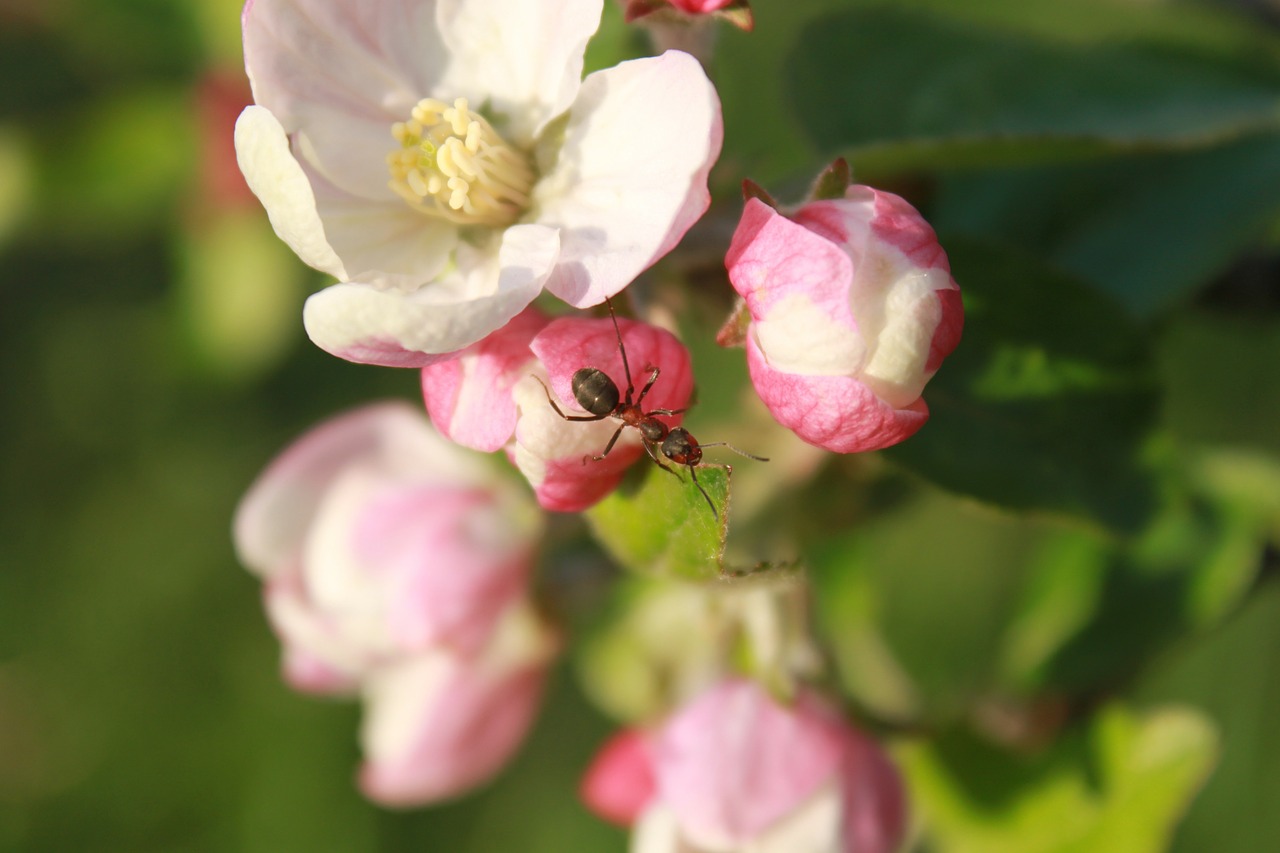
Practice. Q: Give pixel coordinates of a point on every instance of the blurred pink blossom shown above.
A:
(395, 567)
(735, 770)
(446, 162)
(853, 309)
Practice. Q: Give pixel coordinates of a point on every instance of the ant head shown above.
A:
(681, 447)
(594, 391)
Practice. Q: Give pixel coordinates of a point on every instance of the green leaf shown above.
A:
(1221, 381)
(1234, 676)
(1102, 221)
(659, 525)
(1099, 611)
(1117, 787)
(893, 87)
(1046, 402)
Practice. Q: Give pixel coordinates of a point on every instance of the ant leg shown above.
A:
(735, 450)
(648, 447)
(666, 411)
(562, 414)
(694, 474)
(653, 377)
(609, 446)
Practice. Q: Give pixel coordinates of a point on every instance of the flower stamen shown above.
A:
(452, 163)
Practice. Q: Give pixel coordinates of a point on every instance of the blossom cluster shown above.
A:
(448, 164)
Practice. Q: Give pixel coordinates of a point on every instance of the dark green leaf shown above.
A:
(1047, 400)
(892, 87)
(1149, 230)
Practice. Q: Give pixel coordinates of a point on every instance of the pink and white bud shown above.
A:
(377, 539)
(737, 771)
(555, 454)
(439, 723)
(853, 309)
(493, 396)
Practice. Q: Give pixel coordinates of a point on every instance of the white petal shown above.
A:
(814, 827)
(524, 58)
(350, 152)
(369, 60)
(631, 175)
(657, 832)
(385, 243)
(376, 325)
(276, 178)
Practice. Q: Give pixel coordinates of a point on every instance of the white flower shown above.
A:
(445, 161)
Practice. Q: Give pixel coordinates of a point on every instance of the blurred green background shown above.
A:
(1058, 601)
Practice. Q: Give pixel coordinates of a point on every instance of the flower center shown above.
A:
(452, 163)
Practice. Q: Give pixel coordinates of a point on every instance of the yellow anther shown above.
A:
(452, 163)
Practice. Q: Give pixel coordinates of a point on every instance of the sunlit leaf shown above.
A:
(1118, 786)
(662, 525)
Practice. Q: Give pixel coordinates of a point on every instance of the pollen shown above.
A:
(451, 163)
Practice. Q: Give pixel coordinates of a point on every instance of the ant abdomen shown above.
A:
(595, 391)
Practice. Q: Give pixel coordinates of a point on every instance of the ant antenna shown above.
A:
(622, 350)
(735, 450)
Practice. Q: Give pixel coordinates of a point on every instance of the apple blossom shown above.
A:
(493, 395)
(395, 566)
(853, 309)
(736, 12)
(734, 770)
(446, 162)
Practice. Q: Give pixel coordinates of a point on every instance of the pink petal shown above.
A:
(734, 762)
(466, 732)
(438, 724)
(445, 582)
(838, 413)
(947, 335)
(572, 484)
(619, 784)
(875, 805)
(631, 176)
(469, 397)
(570, 343)
(274, 514)
(900, 225)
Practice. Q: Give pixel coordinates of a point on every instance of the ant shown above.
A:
(598, 394)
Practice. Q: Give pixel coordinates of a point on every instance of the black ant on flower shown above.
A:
(596, 393)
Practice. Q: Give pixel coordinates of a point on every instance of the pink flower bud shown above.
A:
(495, 395)
(853, 309)
(736, 770)
(556, 454)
